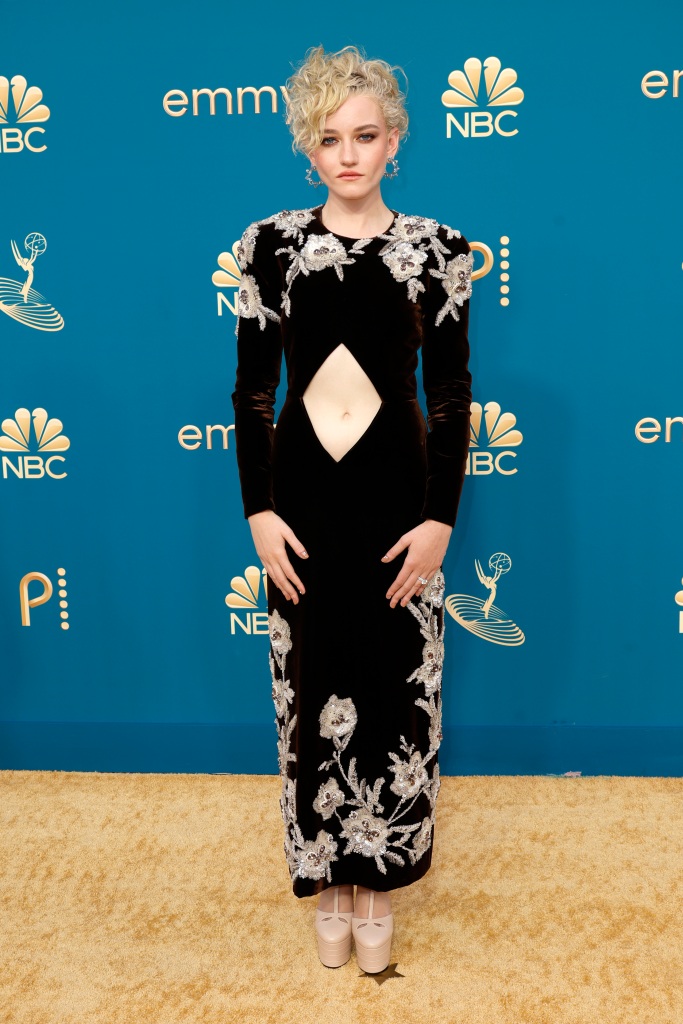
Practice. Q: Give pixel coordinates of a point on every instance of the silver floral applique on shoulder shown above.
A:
(249, 301)
(291, 222)
(408, 243)
(455, 275)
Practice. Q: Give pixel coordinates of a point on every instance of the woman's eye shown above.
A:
(365, 135)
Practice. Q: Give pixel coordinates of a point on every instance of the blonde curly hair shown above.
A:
(322, 82)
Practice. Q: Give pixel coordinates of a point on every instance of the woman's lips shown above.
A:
(349, 175)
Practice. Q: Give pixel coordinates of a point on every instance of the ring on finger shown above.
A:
(422, 581)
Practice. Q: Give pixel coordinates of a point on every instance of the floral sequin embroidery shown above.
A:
(307, 858)
(457, 283)
(291, 222)
(408, 243)
(249, 302)
(364, 825)
(366, 828)
(318, 253)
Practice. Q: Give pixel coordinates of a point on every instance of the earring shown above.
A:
(393, 174)
(309, 179)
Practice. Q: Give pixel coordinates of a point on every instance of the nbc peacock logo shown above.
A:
(35, 432)
(228, 275)
(22, 107)
(244, 600)
(467, 90)
(497, 433)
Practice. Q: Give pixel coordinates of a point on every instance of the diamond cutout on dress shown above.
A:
(340, 364)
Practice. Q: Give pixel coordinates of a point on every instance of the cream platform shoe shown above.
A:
(372, 936)
(334, 934)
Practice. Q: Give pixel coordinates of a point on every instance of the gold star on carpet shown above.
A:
(381, 976)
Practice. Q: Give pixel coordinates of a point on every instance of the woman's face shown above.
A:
(352, 156)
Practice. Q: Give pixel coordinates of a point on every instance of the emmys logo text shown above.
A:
(657, 84)
(648, 429)
(191, 437)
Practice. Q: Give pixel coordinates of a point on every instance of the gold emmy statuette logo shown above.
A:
(22, 302)
(245, 594)
(497, 432)
(481, 617)
(500, 91)
(16, 437)
(26, 108)
(26, 603)
(229, 276)
(678, 598)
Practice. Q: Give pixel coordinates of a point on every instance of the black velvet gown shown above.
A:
(356, 684)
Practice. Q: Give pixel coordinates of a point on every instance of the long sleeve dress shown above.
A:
(356, 684)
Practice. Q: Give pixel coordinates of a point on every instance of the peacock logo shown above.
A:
(228, 275)
(26, 432)
(25, 109)
(496, 431)
(466, 89)
(244, 595)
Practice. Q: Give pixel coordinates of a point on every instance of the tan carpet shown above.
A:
(152, 899)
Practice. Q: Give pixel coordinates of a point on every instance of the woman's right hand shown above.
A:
(269, 533)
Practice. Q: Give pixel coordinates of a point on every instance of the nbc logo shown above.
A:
(25, 109)
(48, 437)
(228, 276)
(500, 89)
(245, 596)
(498, 431)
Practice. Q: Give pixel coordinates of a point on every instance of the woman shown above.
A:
(350, 500)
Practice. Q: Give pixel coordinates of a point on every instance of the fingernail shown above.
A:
(302, 552)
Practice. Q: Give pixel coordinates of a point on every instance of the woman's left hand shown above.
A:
(427, 544)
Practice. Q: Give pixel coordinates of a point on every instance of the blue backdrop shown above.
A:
(136, 143)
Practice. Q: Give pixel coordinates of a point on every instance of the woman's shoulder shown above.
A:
(423, 231)
(267, 233)
(284, 222)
